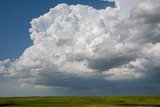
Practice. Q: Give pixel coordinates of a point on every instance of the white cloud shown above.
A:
(4, 66)
(76, 45)
(126, 6)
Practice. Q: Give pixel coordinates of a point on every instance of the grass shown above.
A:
(102, 101)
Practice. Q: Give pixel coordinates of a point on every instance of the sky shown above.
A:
(15, 19)
(79, 47)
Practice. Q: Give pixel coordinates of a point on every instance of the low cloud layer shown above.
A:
(81, 48)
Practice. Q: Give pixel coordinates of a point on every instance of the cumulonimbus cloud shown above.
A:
(81, 47)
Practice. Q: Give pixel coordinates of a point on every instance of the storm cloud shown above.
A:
(78, 47)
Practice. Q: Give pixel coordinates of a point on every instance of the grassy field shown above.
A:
(109, 101)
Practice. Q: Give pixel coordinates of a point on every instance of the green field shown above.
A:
(109, 101)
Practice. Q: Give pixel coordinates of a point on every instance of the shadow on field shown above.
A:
(137, 105)
(7, 105)
(11, 103)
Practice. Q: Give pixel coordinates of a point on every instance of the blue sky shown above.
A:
(15, 21)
